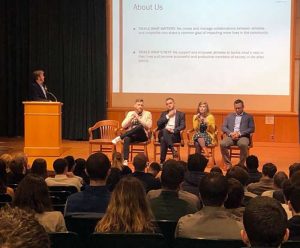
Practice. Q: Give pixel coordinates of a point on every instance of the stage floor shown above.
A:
(281, 154)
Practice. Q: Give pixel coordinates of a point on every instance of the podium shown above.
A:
(42, 123)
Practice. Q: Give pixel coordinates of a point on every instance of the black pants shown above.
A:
(166, 140)
(135, 134)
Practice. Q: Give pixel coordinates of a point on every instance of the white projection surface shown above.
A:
(201, 46)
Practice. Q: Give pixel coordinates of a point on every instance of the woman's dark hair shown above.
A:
(39, 167)
(32, 194)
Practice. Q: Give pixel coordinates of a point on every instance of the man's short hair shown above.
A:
(265, 222)
(279, 178)
(213, 189)
(71, 162)
(37, 73)
(19, 229)
(140, 162)
(155, 166)
(16, 166)
(252, 162)
(239, 174)
(59, 165)
(97, 166)
(269, 169)
(237, 101)
(139, 100)
(294, 197)
(293, 168)
(235, 194)
(197, 162)
(172, 174)
(170, 98)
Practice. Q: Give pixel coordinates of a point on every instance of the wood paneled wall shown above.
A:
(284, 130)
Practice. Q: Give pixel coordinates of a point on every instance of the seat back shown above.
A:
(63, 239)
(70, 189)
(211, 243)
(107, 129)
(127, 240)
(291, 244)
(167, 228)
(5, 199)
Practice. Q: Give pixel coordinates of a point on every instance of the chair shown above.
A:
(63, 239)
(107, 132)
(59, 196)
(5, 199)
(234, 151)
(211, 243)
(127, 240)
(191, 145)
(83, 223)
(167, 228)
(156, 144)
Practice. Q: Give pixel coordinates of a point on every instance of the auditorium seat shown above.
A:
(205, 243)
(127, 240)
(64, 239)
(5, 199)
(156, 144)
(107, 131)
(291, 244)
(167, 229)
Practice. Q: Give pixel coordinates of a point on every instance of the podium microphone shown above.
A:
(51, 94)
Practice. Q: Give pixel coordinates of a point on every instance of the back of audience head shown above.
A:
(294, 199)
(213, 189)
(289, 184)
(80, 165)
(19, 229)
(239, 174)
(269, 170)
(32, 195)
(117, 160)
(7, 158)
(293, 168)
(279, 178)
(21, 157)
(184, 165)
(60, 166)
(17, 166)
(265, 223)
(39, 167)
(235, 194)
(128, 210)
(71, 162)
(216, 169)
(98, 166)
(154, 168)
(252, 163)
(140, 162)
(197, 162)
(172, 175)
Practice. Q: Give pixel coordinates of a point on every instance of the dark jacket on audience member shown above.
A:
(148, 180)
(92, 199)
(13, 178)
(254, 176)
(263, 185)
(191, 181)
(168, 206)
(294, 227)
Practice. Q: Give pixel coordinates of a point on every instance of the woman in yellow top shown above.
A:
(204, 126)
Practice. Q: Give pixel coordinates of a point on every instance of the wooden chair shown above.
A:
(140, 147)
(234, 151)
(156, 144)
(107, 132)
(211, 148)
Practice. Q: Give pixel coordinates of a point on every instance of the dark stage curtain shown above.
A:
(66, 39)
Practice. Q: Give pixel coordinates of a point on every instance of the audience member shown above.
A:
(213, 221)
(252, 166)
(234, 201)
(128, 210)
(60, 167)
(95, 197)
(154, 169)
(7, 158)
(148, 180)
(21, 157)
(293, 169)
(71, 166)
(79, 170)
(3, 187)
(16, 171)
(277, 192)
(196, 166)
(265, 223)
(32, 195)
(294, 206)
(168, 205)
(39, 167)
(266, 182)
(19, 229)
(216, 169)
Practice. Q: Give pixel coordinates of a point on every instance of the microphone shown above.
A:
(51, 94)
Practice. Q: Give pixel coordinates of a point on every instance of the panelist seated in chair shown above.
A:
(137, 123)
(204, 126)
(238, 127)
(170, 123)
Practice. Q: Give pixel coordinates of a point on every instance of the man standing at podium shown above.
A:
(37, 89)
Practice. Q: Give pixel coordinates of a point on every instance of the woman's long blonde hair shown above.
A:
(128, 210)
(117, 161)
(207, 108)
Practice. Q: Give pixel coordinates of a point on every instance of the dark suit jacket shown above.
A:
(246, 128)
(36, 93)
(179, 122)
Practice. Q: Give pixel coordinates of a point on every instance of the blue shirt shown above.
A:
(92, 199)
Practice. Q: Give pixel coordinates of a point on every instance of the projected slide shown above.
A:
(201, 46)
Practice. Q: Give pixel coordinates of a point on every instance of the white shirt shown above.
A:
(171, 122)
(237, 122)
(43, 89)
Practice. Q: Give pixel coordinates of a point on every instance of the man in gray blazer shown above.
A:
(237, 126)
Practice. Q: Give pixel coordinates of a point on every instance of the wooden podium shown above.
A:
(42, 123)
